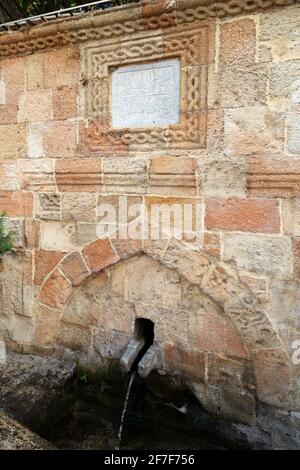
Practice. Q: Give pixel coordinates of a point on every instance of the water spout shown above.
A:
(149, 361)
(132, 351)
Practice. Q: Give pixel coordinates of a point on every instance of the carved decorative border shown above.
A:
(191, 48)
(124, 20)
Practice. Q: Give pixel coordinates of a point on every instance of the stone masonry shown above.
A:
(227, 315)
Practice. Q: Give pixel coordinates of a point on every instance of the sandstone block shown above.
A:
(79, 175)
(189, 364)
(35, 106)
(35, 72)
(242, 85)
(99, 255)
(12, 141)
(9, 175)
(16, 203)
(117, 314)
(48, 206)
(47, 323)
(65, 103)
(63, 64)
(45, 262)
(253, 130)
(80, 207)
(273, 376)
(222, 176)
(291, 216)
(171, 175)
(262, 254)
(293, 131)
(84, 308)
(57, 236)
(212, 332)
(124, 175)
(246, 215)
(238, 42)
(74, 337)
(60, 139)
(56, 290)
(74, 268)
(35, 142)
(38, 175)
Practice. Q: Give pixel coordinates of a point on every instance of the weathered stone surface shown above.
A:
(260, 254)
(57, 236)
(245, 215)
(45, 262)
(48, 206)
(285, 303)
(35, 142)
(278, 40)
(215, 333)
(111, 344)
(85, 233)
(291, 216)
(242, 85)
(117, 314)
(31, 382)
(188, 364)
(64, 66)
(12, 141)
(296, 247)
(79, 175)
(80, 207)
(84, 307)
(9, 175)
(253, 130)
(56, 290)
(74, 268)
(17, 203)
(238, 42)
(99, 255)
(38, 175)
(35, 72)
(293, 131)
(60, 139)
(65, 103)
(16, 436)
(16, 227)
(173, 175)
(122, 175)
(23, 330)
(222, 176)
(258, 285)
(273, 375)
(47, 323)
(74, 337)
(35, 106)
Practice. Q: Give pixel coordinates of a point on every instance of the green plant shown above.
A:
(5, 238)
(83, 378)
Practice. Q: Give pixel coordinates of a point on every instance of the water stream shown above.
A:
(132, 377)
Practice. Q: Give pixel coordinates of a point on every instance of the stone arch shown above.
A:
(214, 278)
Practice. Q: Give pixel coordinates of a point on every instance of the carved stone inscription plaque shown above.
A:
(146, 95)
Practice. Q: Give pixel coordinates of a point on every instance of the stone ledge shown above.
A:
(127, 19)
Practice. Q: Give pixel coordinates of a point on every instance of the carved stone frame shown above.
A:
(190, 46)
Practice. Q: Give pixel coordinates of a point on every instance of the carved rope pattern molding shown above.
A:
(191, 48)
(97, 26)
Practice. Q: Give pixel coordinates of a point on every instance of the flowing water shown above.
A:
(132, 377)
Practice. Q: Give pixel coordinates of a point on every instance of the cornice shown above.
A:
(127, 19)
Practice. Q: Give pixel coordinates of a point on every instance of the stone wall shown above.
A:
(226, 313)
